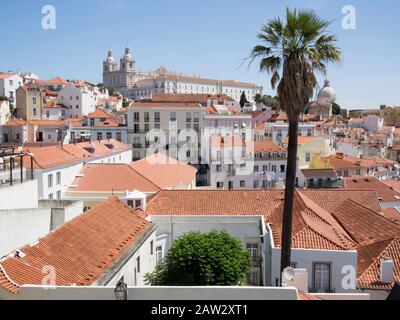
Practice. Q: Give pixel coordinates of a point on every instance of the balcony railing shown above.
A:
(137, 145)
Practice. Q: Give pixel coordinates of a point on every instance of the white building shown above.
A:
(277, 129)
(81, 98)
(9, 83)
(136, 84)
(239, 164)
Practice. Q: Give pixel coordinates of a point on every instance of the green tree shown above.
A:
(113, 92)
(336, 109)
(125, 103)
(258, 98)
(292, 50)
(203, 259)
(243, 100)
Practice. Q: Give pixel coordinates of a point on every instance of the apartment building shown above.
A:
(239, 164)
(30, 100)
(154, 126)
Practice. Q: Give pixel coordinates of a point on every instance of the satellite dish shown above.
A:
(288, 274)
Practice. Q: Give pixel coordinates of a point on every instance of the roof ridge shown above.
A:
(144, 177)
(379, 256)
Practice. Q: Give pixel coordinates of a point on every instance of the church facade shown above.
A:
(136, 84)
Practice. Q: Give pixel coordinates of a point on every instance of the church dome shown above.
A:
(127, 55)
(327, 93)
(110, 59)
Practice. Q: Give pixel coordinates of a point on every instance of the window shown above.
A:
(256, 168)
(138, 203)
(138, 264)
(136, 116)
(322, 276)
(146, 117)
(99, 136)
(173, 116)
(33, 100)
(34, 112)
(58, 178)
(308, 157)
(219, 168)
(58, 195)
(11, 82)
(282, 168)
(230, 185)
(50, 180)
(119, 136)
(109, 135)
(136, 128)
(91, 122)
(51, 196)
(159, 254)
(156, 117)
(152, 247)
(220, 185)
(358, 172)
(256, 184)
(47, 114)
(252, 248)
(242, 184)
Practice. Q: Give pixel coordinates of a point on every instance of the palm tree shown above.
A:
(297, 47)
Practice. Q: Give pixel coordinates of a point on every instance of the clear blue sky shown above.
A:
(207, 37)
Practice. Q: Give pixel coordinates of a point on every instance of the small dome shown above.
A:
(110, 59)
(127, 55)
(327, 93)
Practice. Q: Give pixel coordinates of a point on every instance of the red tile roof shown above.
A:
(214, 202)
(313, 227)
(386, 193)
(6, 75)
(111, 177)
(188, 97)
(363, 225)
(165, 105)
(53, 156)
(165, 172)
(81, 250)
(100, 113)
(369, 263)
(54, 81)
(267, 146)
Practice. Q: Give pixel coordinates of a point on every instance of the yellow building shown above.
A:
(29, 102)
(391, 116)
(310, 148)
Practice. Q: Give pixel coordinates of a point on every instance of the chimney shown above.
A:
(387, 275)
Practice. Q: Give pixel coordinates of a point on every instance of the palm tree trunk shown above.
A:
(289, 195)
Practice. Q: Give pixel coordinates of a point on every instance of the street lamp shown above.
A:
(121, 290)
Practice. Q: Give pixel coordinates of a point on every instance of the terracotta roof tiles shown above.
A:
(81, 250)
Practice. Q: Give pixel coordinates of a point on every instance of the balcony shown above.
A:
(136, 145)
(231, 172)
